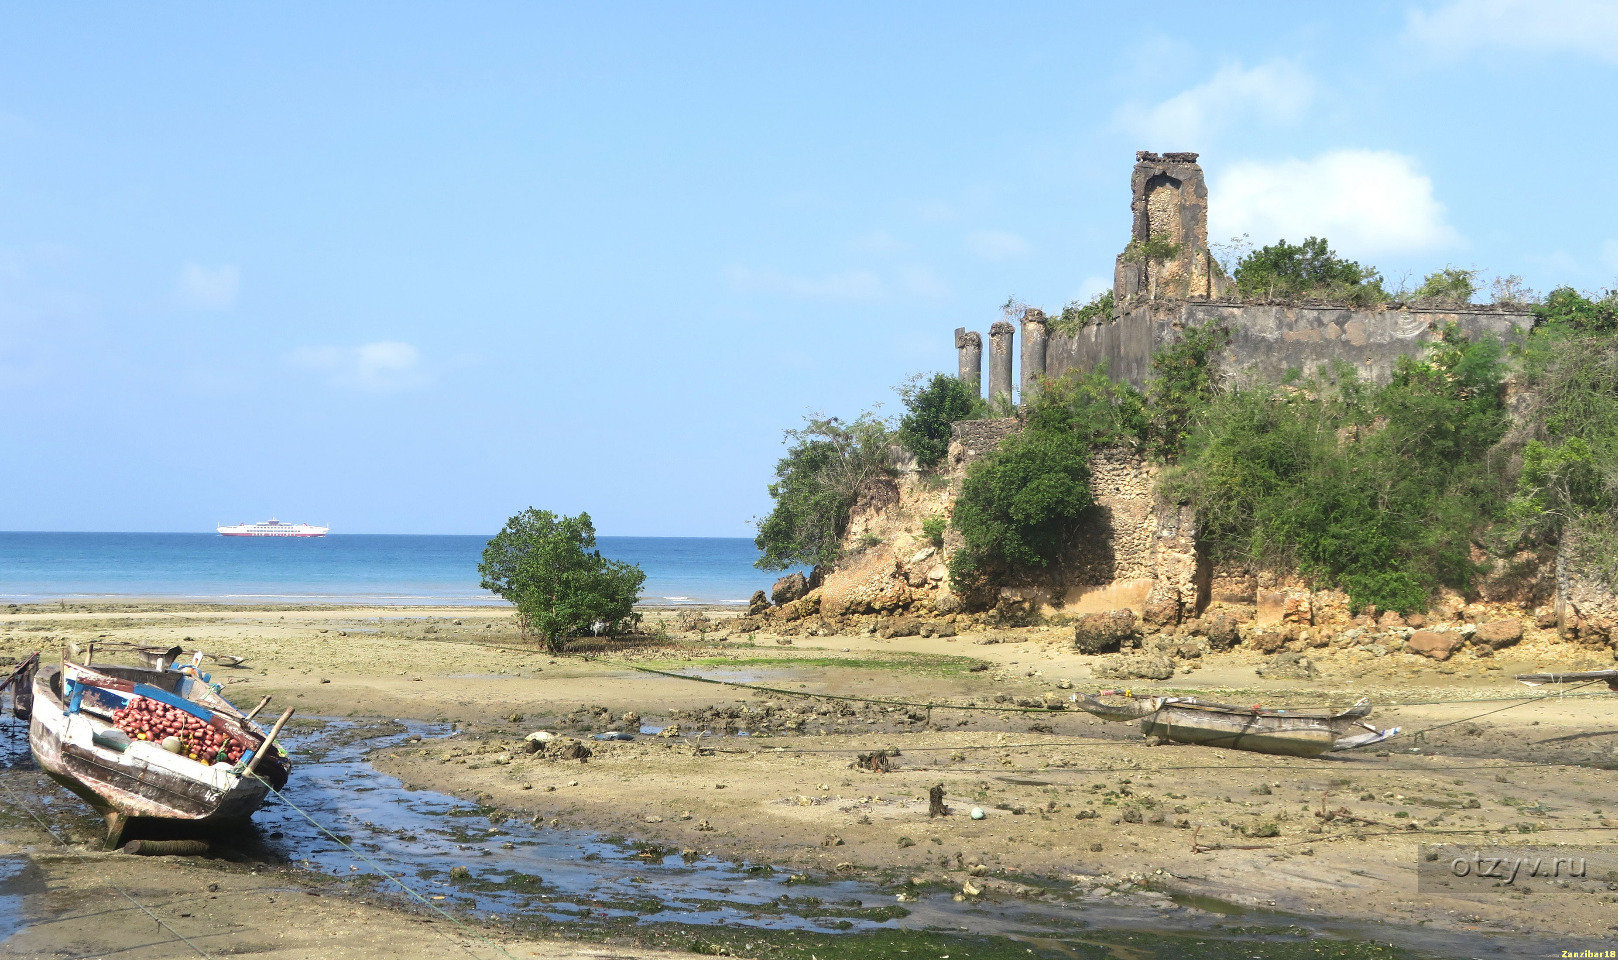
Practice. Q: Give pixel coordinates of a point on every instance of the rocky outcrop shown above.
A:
(789, 588)
(1498, 634)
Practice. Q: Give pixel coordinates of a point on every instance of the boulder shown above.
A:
(1223, 632)
(789, 588)
(946, 603)
(1498, 634)
(1431, 643)
(1104, 632)
(1267, 641)
(1161, 613)
(759, 604)
(899, 627)
(1142, 667)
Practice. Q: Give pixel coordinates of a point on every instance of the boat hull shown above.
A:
(141, 783)
(1304, 737)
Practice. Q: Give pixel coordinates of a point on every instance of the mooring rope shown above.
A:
(378, 868)
(101, 876)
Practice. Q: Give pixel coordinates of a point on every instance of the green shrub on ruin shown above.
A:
(1184, 382)
(1567, 436)
(1019, 505)
(1450, 286)
(1310, 270)
(1075, 316)
(828, 463)
(931, 409)
(547, 566)
(1380, 491)
(1566, 310)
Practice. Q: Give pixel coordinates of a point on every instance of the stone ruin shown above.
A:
(1166, 279)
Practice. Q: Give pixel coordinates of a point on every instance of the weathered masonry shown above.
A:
(1166, 280)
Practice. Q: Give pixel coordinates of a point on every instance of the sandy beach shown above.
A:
(1072, 805)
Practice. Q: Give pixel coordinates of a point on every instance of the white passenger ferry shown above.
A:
(273, 528)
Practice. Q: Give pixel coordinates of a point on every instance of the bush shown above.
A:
(1379, 491)
(924, 430)
(1184, 382)
(1450, 285)
(548, 567)
(933, 528)
(1569, 308)
(828, 463)
(1307, 270)
(1076, 315)
(1018, 504)
(1568, 437)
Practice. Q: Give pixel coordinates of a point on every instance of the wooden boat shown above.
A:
(1292, 733)
(74, 733)
(1584, 677)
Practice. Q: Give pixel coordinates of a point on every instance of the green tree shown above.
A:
(924, 430)
(1310, 269)
(548, 567)
(827, 466)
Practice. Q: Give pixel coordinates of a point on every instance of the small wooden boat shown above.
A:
(148, 743)
(1291, 733)
(1584, 677)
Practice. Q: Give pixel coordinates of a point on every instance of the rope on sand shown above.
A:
(99, 875)
(378, 868)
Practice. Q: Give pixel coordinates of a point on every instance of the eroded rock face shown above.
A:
(1284, 607)
(1498, 634)
(758, 604)
(1104, 632)
(1431, 643)
(789, 588)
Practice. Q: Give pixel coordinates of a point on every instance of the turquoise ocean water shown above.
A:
(342, 568)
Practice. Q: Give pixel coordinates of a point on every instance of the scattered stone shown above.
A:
(1288, 666)
(1144, 667)
(978, 814)
(1431, 643)
(672, 730)
(1104, 632)
(459, 873)
(1223, 633)
(1498, 634)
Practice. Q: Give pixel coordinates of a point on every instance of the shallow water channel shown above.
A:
(566, 881)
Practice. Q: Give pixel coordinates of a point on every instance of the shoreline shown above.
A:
(786, 795)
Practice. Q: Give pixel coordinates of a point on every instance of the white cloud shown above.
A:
(202, 288)
(383, 366)
(1580, 26)
(1363, 201)
(997, 245)
(849, 285)
(1273, 92)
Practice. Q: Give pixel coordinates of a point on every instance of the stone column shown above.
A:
(969, 347)
(1000, 336)
(1034, 335)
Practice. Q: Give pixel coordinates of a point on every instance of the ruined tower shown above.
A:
(1167, 257)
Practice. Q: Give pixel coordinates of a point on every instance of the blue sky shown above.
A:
(411, 268)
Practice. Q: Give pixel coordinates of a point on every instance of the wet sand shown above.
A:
(1069, 801)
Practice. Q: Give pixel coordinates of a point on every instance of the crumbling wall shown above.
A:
(1271, 340)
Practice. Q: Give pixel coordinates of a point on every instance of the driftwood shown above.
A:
(935, 802)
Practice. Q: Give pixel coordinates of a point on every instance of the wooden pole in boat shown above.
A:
(265, 746)
(90, 654)
(254, 712)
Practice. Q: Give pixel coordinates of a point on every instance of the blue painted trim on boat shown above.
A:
(163, 696)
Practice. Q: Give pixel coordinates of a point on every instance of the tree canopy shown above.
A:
(548, 567)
